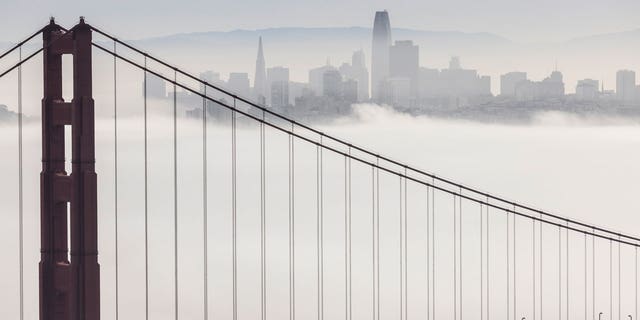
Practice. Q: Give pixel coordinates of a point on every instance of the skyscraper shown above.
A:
(509, 81)
(357, 71)
(260, 78)
(404, 63)
(625, 85)
(380, 53)
(278, 78)
(332, 83)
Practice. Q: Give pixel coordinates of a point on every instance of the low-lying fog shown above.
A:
(584, 170)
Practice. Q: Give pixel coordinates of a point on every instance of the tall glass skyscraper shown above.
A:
(380, 54)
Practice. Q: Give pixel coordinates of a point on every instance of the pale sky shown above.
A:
(518, 20)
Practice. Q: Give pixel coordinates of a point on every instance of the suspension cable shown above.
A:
(115, 138)
(370, 153)
(20, 190)
(567, 271)
(401, 251)
(428, 255)
(533, 265)
(573, 222)
(455, 259)
(292, 306)
(481, 262)
(619, 283)
(348, 238)
(263, 266)
(205, 217)
(234, 210)
(508, 269)
(146, 200)
(377, 237)
(175, 193)
(320, 231)
(488, 265)
(560, 273)
(593, 277)
(373, 242)
(610, 279)
(460, 252)
(406, 250)
(515, 269)
(541, 270)
(433, 250)
(350, 241)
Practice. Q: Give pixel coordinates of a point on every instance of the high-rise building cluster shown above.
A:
(397, 79)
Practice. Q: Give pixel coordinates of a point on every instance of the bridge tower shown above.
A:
(69, 281)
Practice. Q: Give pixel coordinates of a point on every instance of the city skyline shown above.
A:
(398, 79)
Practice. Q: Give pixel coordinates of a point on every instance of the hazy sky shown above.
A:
(520, 20)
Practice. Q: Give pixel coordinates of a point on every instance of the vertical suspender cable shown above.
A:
(560, 273)
(619, 282)
(488, 259)
(291, 229)
(541, 269)
(175, 191)
(610, 279)
(406, 249)
(533, 265)
(433, 249)
(205, 217)
(115, 138)
(319, 231)
(428, 234)
(455, 259)
(346, 236)
(403, 242)
(263, 217)
(515, 288)
(567, 270)
(350, 241)
(401, 249)
(234, 212)
(636, 272)
(146, 199)
(460, 252)
(20, 189)
(377, 238)
(373, 243)
(481, 262)
(508, 269)
(585, 276)
(593, 274)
